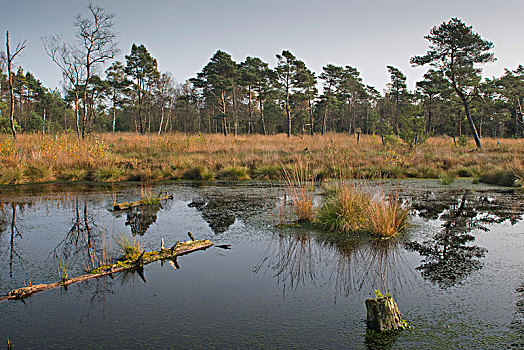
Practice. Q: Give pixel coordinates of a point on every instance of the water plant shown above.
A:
(148, 197)
(301, 188)
(129, 246)
(62, 270)
(354, 207)
(385, 217)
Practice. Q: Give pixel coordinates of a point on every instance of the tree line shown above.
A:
(251, 97)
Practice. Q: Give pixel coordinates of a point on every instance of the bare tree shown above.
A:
(9, 59)
(68, 60)
(97, 43)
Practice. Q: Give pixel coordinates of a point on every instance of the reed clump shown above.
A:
(354, 208)
(301, 188)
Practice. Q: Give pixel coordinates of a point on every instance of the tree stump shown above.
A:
(383, 314)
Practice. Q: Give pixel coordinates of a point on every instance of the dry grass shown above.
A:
(301, 188)
(386, 217)
(127, 156)
(354, 207)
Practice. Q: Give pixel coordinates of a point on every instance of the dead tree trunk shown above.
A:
(383, 314)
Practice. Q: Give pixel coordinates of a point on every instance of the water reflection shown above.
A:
(351, 265)
(450, 255)
(8, 224)
(85, 240)
(518, 322)
(140, 218)
(221, 211)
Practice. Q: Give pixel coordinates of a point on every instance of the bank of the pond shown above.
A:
(130, 157)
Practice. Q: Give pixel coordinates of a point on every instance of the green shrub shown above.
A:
(5, 126)
(391, 140)
(462, 140)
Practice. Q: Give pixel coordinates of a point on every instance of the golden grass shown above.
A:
(301, 188)
(128, 156)
(386, 217)
(355, 207)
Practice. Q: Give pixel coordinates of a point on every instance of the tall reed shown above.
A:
(301, 188)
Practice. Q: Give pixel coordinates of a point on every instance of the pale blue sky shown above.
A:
(183, 35)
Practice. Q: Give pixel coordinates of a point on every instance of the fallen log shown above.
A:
(181, 248)
(129, 205)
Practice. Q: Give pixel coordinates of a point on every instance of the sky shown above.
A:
(183, 34)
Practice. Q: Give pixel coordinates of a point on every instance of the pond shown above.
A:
(457, 274)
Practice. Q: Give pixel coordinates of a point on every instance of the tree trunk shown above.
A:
(288, 113)
(250, 121)
(224, 118)
(161, 119)
(11, 91)
(471, 123)
(311, 117)
(140, 119)
(77, 114)
(262, 121)
(383, 314)
(43, 123)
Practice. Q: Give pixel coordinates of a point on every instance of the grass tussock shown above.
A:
(233, 174)
(354, 208)
(109, 173)
(12, 176)
(386, 217)
(301, 189)
(198, 173)
(446, 178)
(129, 246)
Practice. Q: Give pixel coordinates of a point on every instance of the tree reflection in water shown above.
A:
(221, 211)
(449, 256)
(8, 224)
(140, 218)
(85, 240)
(360, 264)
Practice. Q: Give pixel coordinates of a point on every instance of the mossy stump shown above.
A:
(383, 314)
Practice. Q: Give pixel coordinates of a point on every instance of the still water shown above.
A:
(457, 274)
